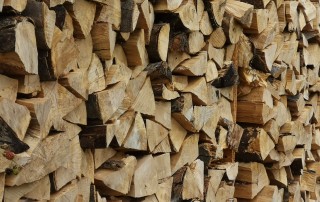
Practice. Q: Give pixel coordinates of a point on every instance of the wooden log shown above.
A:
(85, 48)
(105, 179)
(205, 24)
(40, 109)
(61, 177)
(243, 12)
(8, 88)
(15, 120)
(135, 49)
(231, 28)
(44, 20)
(146, 19)
(189, 16)
(166, 5)
(145, 179)
(159, 42)
(260, 4)
(155, 133)
(259, 113)
(20, 54)
(59, 149)
(193, 182)
(259, 22)
(109, 11)
(104, 40)
(255, 143)
(82, 23)
(77, 83)
(96, 76)
(137, 132)
(215, 11)
(256, 178)
(145, 102)
(96, 107)
(129, 16)
(27, 190)
(195, 66)
(187, 153)
(164, 190)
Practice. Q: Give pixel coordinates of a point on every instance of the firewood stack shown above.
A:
(159, 100)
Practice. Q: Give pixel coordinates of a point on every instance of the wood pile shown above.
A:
(159, 100)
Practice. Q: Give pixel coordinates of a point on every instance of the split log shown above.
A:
(129, 16)
(255, 178)
(105, 179)
(187, 153)
(193, 182)
(159, 42)
(44, 20)
(19, 56)
(104, 40)
(82, 23)
(145, 179)
(85, 48)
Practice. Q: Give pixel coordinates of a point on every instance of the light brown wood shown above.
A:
(193, 181)
(241, 11)
(137, 138)
(163, 166)
(104, 40)
(109, 12)
(187, 153)
(20, 55)
(82, 23)
(85, 48)
(145, 179)
(106, 179)
(8, 88)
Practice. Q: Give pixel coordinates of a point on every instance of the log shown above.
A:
(44, 20)
(19, 56)
(109, 11)
(96, 76)
(255, 176)
(159, 42)
(215, 11)
(82, 23)
(145, 179)
(243, 12)
(129, 16)
(187, 153)
(105, 179)
(96, 107)
(85, 48)
(193, 184)
(137, 132)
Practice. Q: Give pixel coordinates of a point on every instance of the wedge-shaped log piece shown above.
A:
(129, 15)
(241, 11)
(96, 76)
(40, 110)
(198, 88)
(103, 104)
(44, 20)
(215, 11)
(254, 112)
(63, 101)
(15, 116)
(117, 73)
(188, 16)
(164, 190)
(8, 87)
(135, 49)
(159, 42)
(167, 5)
(255, 144)
(155, 133)
(231, 28)
(17, 192)
(85, 48)
(187, 153)
(29, 84)
(254, 176)
(110, 11)
(82, 13)
(182, 111)
(145, 179)
(108, 181)
(19, 54)
(195, 66)
(104, 40)
(193, 182)
(145, 102)
(56, 148)
(77, 83)
(137, 136)
(259, 21)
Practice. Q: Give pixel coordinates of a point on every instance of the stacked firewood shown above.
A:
(159, 100)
